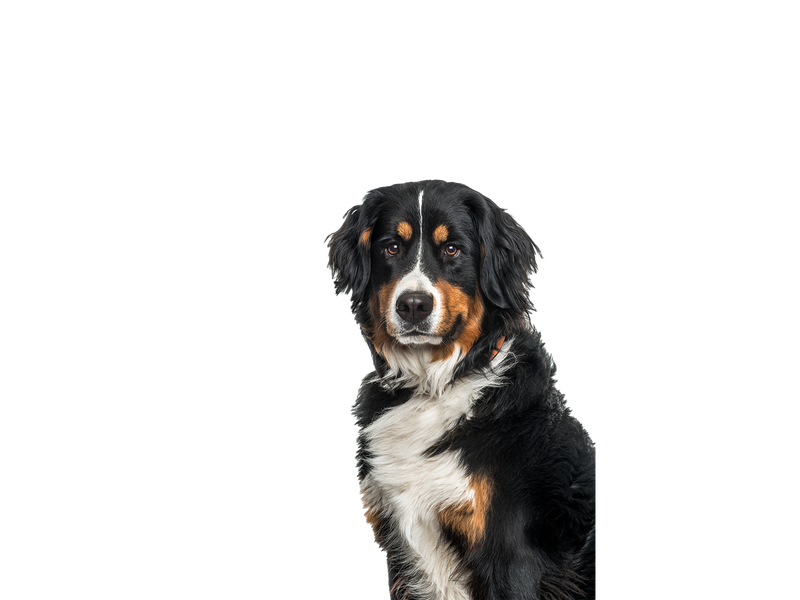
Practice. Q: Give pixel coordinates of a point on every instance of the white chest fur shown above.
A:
(414, 487)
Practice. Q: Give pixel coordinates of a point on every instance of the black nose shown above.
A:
(414, 306)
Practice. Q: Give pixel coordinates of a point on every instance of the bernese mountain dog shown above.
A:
(477, 481)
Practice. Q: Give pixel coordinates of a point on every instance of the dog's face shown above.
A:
(427, 261)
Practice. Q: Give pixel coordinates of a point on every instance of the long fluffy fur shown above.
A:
(476, 479)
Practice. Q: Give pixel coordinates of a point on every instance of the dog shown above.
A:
(477, 481)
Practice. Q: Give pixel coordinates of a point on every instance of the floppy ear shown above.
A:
(348, 257)
(508, 256)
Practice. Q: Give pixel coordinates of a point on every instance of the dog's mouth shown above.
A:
(417, 335)
(414, 331)
(421, 329)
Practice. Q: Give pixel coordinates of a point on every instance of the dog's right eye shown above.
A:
(392, 249)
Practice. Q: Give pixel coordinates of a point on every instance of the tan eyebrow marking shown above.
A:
(404, 230)
(440, 234)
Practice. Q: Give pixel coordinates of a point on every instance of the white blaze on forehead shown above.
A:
(417, 281)
(419, 252)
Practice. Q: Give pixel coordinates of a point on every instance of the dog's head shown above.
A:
(433, 265)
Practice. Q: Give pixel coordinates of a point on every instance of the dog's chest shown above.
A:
(412, 486)
(400, 440)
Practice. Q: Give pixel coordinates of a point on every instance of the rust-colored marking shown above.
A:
(379, 304)
(404, 230)
(373, 516)
(497, 346)
(440, 234)
(468, 520)
(457, 303)
(364, 239)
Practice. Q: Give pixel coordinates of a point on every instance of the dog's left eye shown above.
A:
(451, 250)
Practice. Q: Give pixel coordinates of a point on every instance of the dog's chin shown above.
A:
(416, 338)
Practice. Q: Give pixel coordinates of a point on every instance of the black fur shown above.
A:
(539, 535)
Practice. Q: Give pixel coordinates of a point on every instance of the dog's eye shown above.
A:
(451, 250)
(392, 249)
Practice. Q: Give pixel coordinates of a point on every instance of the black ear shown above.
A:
(508, 257)
(348, 257)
